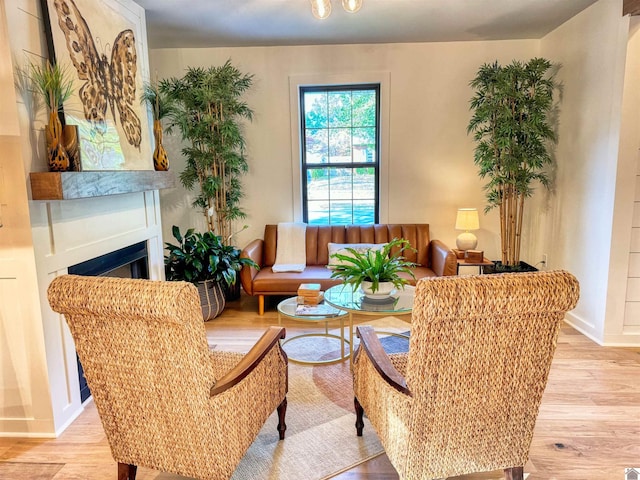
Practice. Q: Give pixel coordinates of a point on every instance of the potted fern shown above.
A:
(377, 271)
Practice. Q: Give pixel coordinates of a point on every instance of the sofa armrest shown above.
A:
(252, 251)
(443, 259)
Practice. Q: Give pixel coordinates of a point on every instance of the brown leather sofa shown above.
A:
(433, 256)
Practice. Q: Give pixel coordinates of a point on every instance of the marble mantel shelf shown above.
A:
(72, 185)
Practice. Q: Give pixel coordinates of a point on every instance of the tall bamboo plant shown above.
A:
(513, 130)
(208, 112)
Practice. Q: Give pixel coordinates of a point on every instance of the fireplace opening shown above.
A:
(128, 262)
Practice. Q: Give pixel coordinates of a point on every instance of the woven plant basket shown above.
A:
(211, 299)
(232, 292)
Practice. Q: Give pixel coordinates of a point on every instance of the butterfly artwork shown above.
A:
(108, 85)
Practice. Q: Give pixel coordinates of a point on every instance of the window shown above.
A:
(340, 154)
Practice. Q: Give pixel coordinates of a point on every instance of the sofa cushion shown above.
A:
(341, 248)
(267, 282)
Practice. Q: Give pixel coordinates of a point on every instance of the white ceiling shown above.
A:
(217, 23)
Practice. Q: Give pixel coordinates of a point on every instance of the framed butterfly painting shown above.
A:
(103, 45)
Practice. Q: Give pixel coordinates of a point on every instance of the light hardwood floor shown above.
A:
(588, 426)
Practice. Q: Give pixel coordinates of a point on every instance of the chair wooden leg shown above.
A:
(282, 410)
(359, 415)
(260, 304)
(514, 473)
(126, 471)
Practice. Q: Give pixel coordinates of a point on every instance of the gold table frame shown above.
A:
(345, 297)
(287, 308)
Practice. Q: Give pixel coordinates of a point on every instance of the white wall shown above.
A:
(579, 232)
(430, 157)
(583, 224)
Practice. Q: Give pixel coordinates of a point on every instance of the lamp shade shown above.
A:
(467, 219)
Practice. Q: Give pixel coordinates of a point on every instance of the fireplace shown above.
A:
(128, 262)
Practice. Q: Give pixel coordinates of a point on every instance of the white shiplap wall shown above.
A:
(632, 308)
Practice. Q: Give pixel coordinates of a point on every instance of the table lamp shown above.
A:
(467, 219)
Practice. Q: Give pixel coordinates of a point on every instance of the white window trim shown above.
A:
(311, 80)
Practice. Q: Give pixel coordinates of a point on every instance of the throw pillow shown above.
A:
(341, 248)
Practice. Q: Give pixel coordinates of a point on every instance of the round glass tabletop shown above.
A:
(345, 297)
(323, 312)
(314, 348)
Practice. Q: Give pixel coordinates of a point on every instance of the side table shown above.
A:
(345, 297)
(463, 263)
(288, 309)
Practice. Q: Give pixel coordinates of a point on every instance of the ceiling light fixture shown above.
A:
(321, 9)
(352, 6)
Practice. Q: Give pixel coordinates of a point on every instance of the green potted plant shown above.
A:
(55, 85)
(512, 126)
(204, 260)
(161, 107)
(377, 271)
(208, 111)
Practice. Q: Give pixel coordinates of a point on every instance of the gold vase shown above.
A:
(57, 157)
(160, 160)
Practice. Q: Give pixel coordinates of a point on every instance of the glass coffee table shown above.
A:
(345, 297)
(288, 309)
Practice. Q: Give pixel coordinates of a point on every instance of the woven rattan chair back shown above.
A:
(143, 348)
(480, 352)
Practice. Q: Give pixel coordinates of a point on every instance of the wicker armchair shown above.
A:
(165, 400)
(465, 398)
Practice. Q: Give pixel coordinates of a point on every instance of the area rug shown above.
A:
(321, 439)
(383, 327)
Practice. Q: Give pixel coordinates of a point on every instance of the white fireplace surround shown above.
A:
(66, 233)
